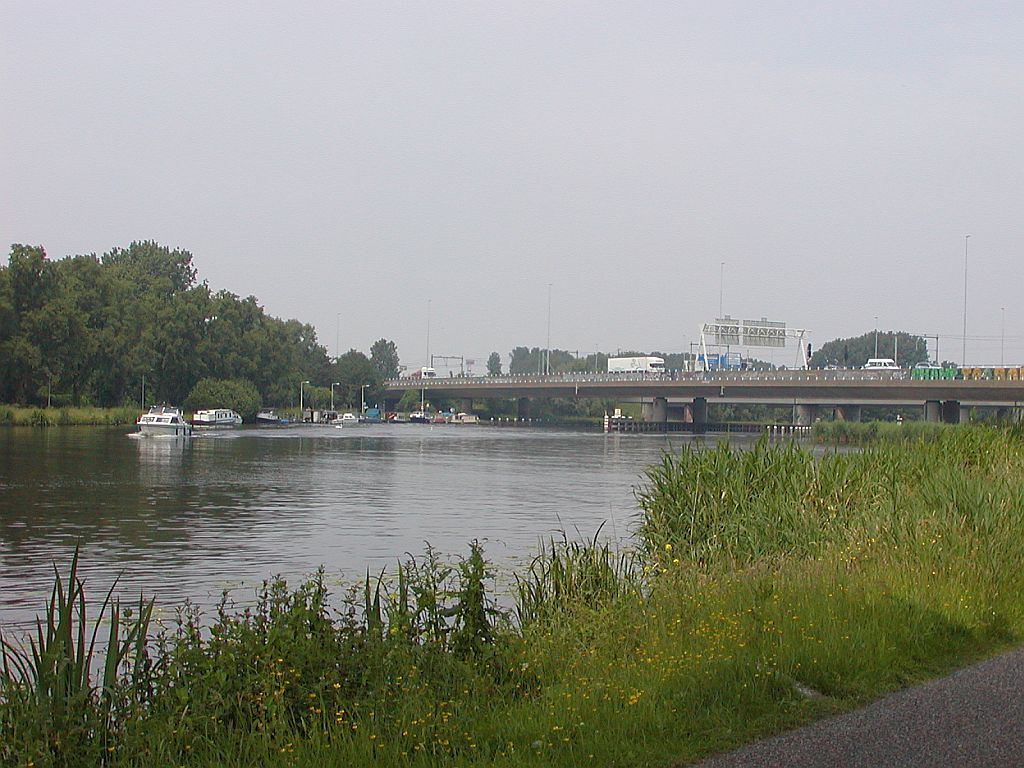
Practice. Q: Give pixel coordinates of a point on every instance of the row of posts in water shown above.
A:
(772, 430)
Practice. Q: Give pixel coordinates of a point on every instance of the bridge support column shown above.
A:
(847, 413)
(466, 405)
(523, 409)
(656, 411)
(699, 413)
(804, 415)
(676, 412)
(952, 413)
(932, 411)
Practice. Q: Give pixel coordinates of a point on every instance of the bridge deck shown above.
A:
(823, 387)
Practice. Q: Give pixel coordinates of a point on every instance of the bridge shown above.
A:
(684, 396)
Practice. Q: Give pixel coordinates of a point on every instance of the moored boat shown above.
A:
(419, 417)
(268, 416)
(345, 420)
(163, 420)
(217, 417)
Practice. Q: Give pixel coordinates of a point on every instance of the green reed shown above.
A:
(868, 432)
(53, 678)
(568, 575)
(68, 416)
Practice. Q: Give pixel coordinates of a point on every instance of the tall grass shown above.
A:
(567, 576)
(868, 432)
(48, 682)
(765, 588)
(65, 417)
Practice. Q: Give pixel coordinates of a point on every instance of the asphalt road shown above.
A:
(974, 717)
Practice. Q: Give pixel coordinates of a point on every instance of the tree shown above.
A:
(357, 375)
(92, 327)
(238, 394)
(524, 360)
(494, 364)
(384, 356)
(853, 352)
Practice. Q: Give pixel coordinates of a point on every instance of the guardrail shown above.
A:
(696, 376)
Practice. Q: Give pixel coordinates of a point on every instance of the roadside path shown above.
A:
(973, 717)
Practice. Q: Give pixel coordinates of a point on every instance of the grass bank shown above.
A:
(17, 416)
(765, 588)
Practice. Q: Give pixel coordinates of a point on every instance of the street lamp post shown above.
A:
(362, 400)
(337, 339)
(963, 352)
(1002, 337)
(547, 352)
(876, 335)
(721, 285)
(333, 385)
(302, 411)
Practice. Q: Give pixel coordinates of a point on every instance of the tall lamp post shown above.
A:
(721, 285)
(333, 385)
(302, 411)
(1002, 337)
(963, 351)
(362, 400)
(547, 352)
(876, 335)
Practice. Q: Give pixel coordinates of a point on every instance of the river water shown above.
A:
(225, 510)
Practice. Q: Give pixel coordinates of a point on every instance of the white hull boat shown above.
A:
(219, 417)
(162, 420)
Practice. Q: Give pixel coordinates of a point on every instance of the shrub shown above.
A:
(240, 395)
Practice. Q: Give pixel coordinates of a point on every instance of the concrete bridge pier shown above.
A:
(699, 413)
(932, 411)
(523, 409)
(846, 413)
(804, 415)
(466, 405)
(655, 411)
(951, 412)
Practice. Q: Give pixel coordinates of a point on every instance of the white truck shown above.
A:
(636, 365)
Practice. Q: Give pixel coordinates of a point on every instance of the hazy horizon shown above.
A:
(360, 167)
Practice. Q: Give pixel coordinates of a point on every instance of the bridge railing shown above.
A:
(691, 376)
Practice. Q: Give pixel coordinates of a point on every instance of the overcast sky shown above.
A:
(366, 166)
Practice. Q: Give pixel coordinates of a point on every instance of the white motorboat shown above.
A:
(269, 416)
(164, 420)
(218, 417)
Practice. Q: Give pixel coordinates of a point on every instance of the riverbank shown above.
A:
(18, 416)
(765, 588)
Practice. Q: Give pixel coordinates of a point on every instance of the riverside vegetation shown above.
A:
(766, 587)
(15, 416)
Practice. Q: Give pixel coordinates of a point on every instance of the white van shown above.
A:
(881, 364)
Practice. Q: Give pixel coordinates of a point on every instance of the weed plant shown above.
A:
(765, 588)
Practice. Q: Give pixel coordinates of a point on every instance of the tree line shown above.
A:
(135, 323)
(101, 330)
